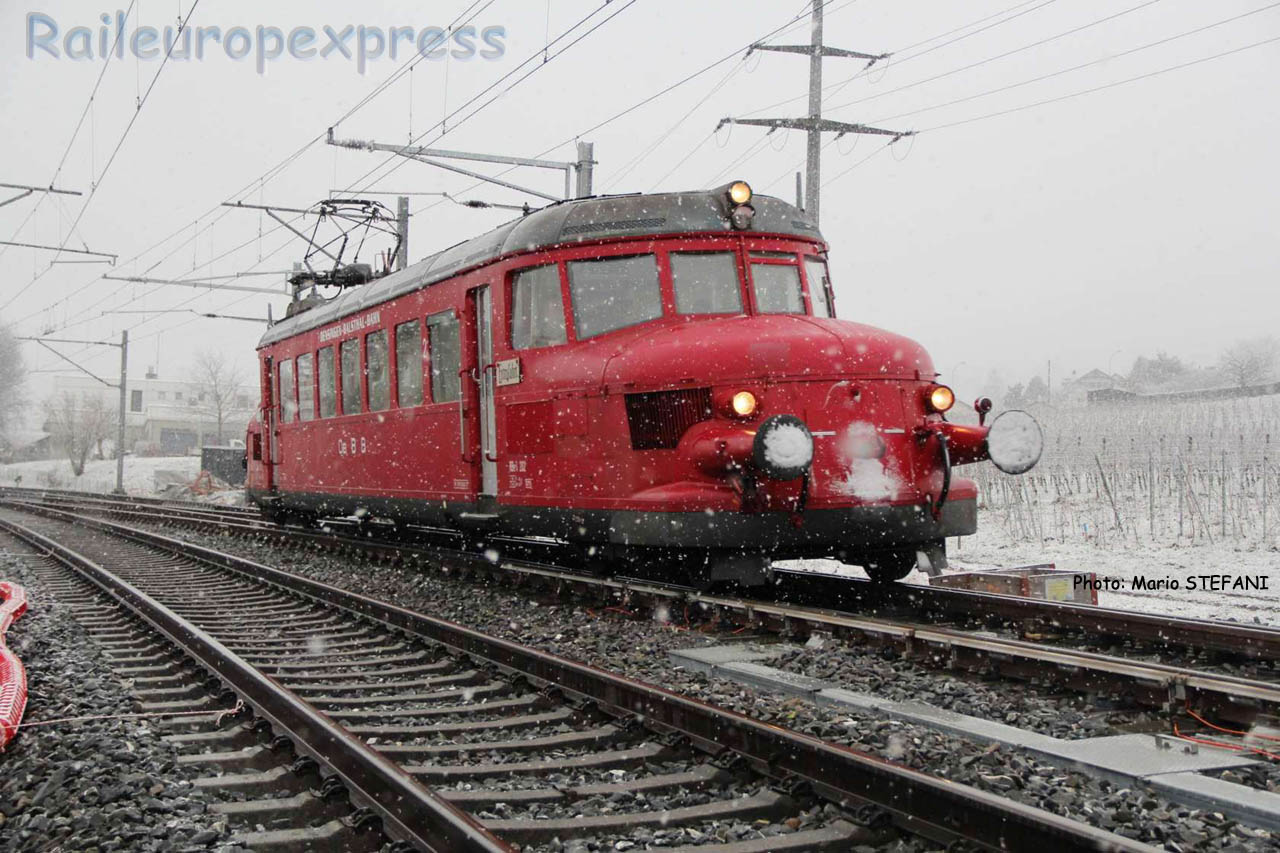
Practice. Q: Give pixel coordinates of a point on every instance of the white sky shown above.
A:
(1086, 232)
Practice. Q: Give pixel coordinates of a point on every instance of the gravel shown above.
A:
(94, 785)
(637, 648)
(885, 673)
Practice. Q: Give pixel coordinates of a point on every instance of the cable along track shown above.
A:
(393, 701)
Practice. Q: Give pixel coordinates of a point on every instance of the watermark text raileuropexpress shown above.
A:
(356, 43)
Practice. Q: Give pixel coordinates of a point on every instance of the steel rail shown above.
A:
(1159, 686)
(926, 805)
(854, 595)
(409, 810)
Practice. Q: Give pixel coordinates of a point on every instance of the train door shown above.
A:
(482, 333)
(272, 456)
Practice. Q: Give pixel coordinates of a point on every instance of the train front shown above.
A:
(814, 436)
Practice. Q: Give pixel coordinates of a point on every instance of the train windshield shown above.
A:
(777, 288)
(815, 270)
(706, 283)
(613, 293)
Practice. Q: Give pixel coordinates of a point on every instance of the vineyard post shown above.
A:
(1181, 499)
(1151, 495)
(1224, 496)
(1107, 488)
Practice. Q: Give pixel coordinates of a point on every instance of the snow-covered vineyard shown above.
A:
(612, 425)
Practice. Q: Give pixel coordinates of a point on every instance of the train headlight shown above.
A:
(744, 404)
(941, 398)
(741, 213)
(783, 448)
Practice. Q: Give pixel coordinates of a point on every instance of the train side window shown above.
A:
(537, 312)
(613, 293)
(777, 288)
(446, 357)
(706, 283)
(409, 364)
(378, 371)
(349, 353)
(815, 269)
(257, 447)
(328, 388)
(288, 393)
(306, 388)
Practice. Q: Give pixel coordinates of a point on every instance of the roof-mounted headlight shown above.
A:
(741, 213)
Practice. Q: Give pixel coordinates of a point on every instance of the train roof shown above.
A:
(578, 220)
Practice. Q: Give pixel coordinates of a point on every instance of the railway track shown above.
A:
(447, 739)
(1144, 682)
(850, 595)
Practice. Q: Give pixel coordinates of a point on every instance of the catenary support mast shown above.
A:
(814, 125)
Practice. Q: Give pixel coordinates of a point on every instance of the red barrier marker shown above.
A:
(13, 676)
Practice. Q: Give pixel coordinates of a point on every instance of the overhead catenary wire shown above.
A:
(840, 84)
(999, 56)
(62, 161)
(219, 212)
(1105, 86)
(1111, 57)
(454, 125)
(1012, 13)
(93, 191)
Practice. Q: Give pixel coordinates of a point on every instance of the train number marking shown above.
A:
(352, 446)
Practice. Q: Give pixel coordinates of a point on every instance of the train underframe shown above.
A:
(701, 548)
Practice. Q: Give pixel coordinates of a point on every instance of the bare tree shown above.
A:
(1249, 362)
(13, 375)
(219, 381)
(78, 425)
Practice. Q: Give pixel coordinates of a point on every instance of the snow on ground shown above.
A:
(143, 475)
(993, 547)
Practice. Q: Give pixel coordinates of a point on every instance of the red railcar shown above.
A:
(643, 376)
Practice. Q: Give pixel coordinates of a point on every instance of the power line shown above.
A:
(1040, 4)
(1103, 87)
(1092, 62)
(266, 176)
(142, 102)
(455, 124)
(1000, 56)
(106, 61)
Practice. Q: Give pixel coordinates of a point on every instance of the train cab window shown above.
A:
(446, 357)
(815, 270)
(378, 370)
(706, 283)
(613, 293)
(306, 388)
(288, 393)
(409, 364)
(537, 308)
(777, 288)
(349, 353)
(328, 388)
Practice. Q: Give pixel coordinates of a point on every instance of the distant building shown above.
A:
(1076, 391)
(24, 446)
(166, 417)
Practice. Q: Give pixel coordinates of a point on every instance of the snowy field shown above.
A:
(143, 475)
